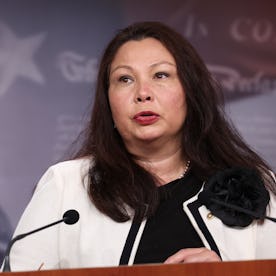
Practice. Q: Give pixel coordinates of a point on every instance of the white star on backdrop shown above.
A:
(16, 58)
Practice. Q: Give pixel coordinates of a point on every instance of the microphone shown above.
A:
(69, 217)
(207, 197)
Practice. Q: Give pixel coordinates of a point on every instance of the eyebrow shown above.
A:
(152, 65)
(162, 62)
(119, 67)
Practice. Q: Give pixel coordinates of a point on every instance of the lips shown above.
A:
(146, 117)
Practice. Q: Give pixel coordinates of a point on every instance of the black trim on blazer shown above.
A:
(129, 243)
(193, 207)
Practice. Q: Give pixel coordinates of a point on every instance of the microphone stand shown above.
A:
(7, 267)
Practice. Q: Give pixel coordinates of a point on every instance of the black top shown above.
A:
(170, 230)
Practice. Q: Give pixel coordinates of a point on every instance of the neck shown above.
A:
(166, 164)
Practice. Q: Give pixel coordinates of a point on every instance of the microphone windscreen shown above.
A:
(71, 216)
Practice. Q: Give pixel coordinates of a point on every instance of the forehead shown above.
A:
(146, 50)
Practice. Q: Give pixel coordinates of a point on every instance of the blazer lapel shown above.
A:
(230, 243)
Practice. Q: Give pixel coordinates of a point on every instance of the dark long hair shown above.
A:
(117, 183)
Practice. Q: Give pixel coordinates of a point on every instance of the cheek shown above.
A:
(117, 106)
(178, 106)
(179, 99)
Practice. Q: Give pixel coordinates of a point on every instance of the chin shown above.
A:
(149, 137)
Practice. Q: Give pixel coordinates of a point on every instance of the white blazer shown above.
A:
(96, 240)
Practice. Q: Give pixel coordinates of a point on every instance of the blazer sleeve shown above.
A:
(40, 249)
(265, 236)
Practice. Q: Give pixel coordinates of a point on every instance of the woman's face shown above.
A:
(146, 97)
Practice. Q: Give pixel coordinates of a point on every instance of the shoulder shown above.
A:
(66, 172)
(73, 166)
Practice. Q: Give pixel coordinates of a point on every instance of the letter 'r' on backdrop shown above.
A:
(49, 52)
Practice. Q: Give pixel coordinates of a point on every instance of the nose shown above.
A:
(144, 93)
(143, 98)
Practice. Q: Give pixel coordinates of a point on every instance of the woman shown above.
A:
(157, 134)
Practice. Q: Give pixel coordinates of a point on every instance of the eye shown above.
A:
(125, 79)
(161, 75)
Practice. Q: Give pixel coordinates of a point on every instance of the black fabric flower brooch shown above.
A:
(236, 196)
